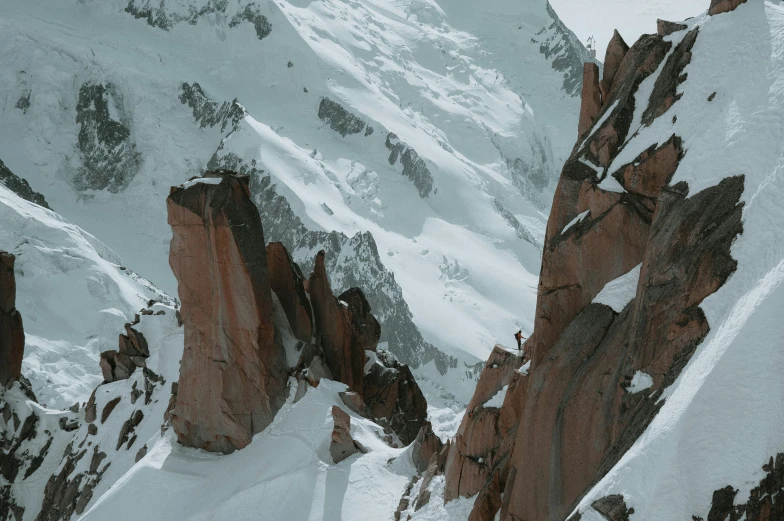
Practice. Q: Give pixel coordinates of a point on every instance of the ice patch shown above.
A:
(619, 292)
(640, 382)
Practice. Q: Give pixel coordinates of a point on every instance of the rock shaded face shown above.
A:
(233, 373)
(288, 284)
(11, 331)
(343, 346)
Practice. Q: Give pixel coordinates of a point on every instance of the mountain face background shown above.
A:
(418, 144)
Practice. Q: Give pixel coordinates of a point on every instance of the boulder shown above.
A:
(12, 337)
(133, 343)
(724, 6)
(116, 366)
(233, 373)
(287, 282)
(591, 103)
(343, 445)
(665, 28)
(394, 398)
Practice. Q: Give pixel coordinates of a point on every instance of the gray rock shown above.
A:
(108, 153)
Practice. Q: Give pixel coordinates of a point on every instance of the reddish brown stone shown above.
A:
(665, 28)
(653, 169)
(233, 373)
(724, 6)
(342, 445)
(591, 98)
(116, 366)
(11, 329)
(287, 282)
(426, 446)
(133, 343)
(497, 373)
(616, 51)
(394, 398)
(345, 357)
(365, 329)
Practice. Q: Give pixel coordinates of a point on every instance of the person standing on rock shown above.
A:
(519, 337)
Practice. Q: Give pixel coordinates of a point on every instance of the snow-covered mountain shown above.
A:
(421, 139)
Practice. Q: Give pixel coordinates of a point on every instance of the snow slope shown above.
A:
(102, 114)
(74, 297)
(722, 419)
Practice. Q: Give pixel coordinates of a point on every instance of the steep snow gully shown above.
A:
(252, 256)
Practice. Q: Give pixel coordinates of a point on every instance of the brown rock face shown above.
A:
(591, 99)
(724, 6)
(365, 329)
(426, 445)
(476, 445)
(653, 169)
(345, 353)
(342, 445)
(287, 282)
(394, 398)
(665, 28)
(233, 373)
(616, 51)
(665, 90)
(11, 330)
(570, 420)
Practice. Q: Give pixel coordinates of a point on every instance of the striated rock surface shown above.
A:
(12, 337)
(724, 6)
(287, 282)
(233, 373)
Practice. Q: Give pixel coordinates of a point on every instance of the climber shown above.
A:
(519, 337)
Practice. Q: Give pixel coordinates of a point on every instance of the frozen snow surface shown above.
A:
(722, 419)
(619, 292)
(640, 382)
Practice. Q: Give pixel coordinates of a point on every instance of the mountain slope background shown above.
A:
(427, 137)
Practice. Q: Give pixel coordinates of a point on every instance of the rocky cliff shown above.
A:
(233, 371)
(567, 420)
(11, 330)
